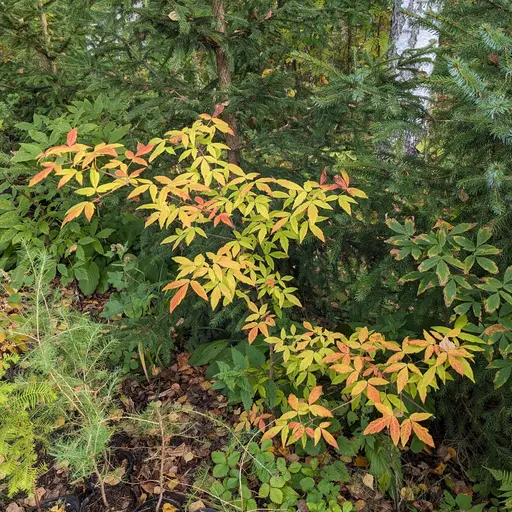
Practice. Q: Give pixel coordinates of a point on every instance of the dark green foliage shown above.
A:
(472, 119)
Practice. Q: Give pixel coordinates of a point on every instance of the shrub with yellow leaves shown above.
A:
(254, 219)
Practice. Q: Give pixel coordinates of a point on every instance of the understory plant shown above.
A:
(66, 385)
(249, 222)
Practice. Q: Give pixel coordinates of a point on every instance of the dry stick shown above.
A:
(101, 482)
(162, 460)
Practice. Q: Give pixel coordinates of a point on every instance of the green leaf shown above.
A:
(307, 484)
(105, 233)
(220, 470)
(336, 472)
(412, 276)
(488, 265)
(276, 496)
(429, 264)
(427, 282)
(264, 491)
(233, 459)
(207, 352)
(238, 359)
(450, 291)
(271, 391)
(492, 303)
(464, 242)
(463, 308)
(409, 226)
(483, 235)
(502, 377)
(461, 228)
(219, 457)
(277, 481)
(5, 204)
(443, 272)
(487, 250)
(454, 262)
(63, 270)
(9, 219)
(463, 501)
(294, 467)
(90, 277)
(507, 277)
(468, 263)
(395, 226)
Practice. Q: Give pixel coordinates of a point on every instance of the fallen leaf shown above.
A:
(173, 483)
(14, 507)
(362, 462)
(423, 506)
(368, 480)
(360, 504)
(188, 456)
(462, 488)
(40, 492)
(440, 469)
(197, 505)
(169, 508)
(407, 493)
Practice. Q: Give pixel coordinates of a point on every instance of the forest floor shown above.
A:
(137, 474)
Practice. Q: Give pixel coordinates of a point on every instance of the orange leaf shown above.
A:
(373, 394)
(40, 176)
(405, 431)
(323, 176)
(89, 211)
(455, 364)
(332, 357)
(279, 224)
(394, 430)
(142, 150)
(178, 297)
(252, 334)
(74, 212)
(359, 387)
(297, 433)
(403, 378)
(420, 416)
(384, 410)
(315, 395)
(175, 284)
(341, 368)
(329, 439)
(71, 138)
(377, 425)
(318, 410)
(423, 434)
(64, 180)
(396, 367)
(272, 432)
(294, 402)
(199, 290)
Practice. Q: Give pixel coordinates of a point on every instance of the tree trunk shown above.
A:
(406, 34)
(49, 60)
(224, 76)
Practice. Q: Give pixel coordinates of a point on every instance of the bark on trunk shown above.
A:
(224, 75)
(49, 61)
(407, 34)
